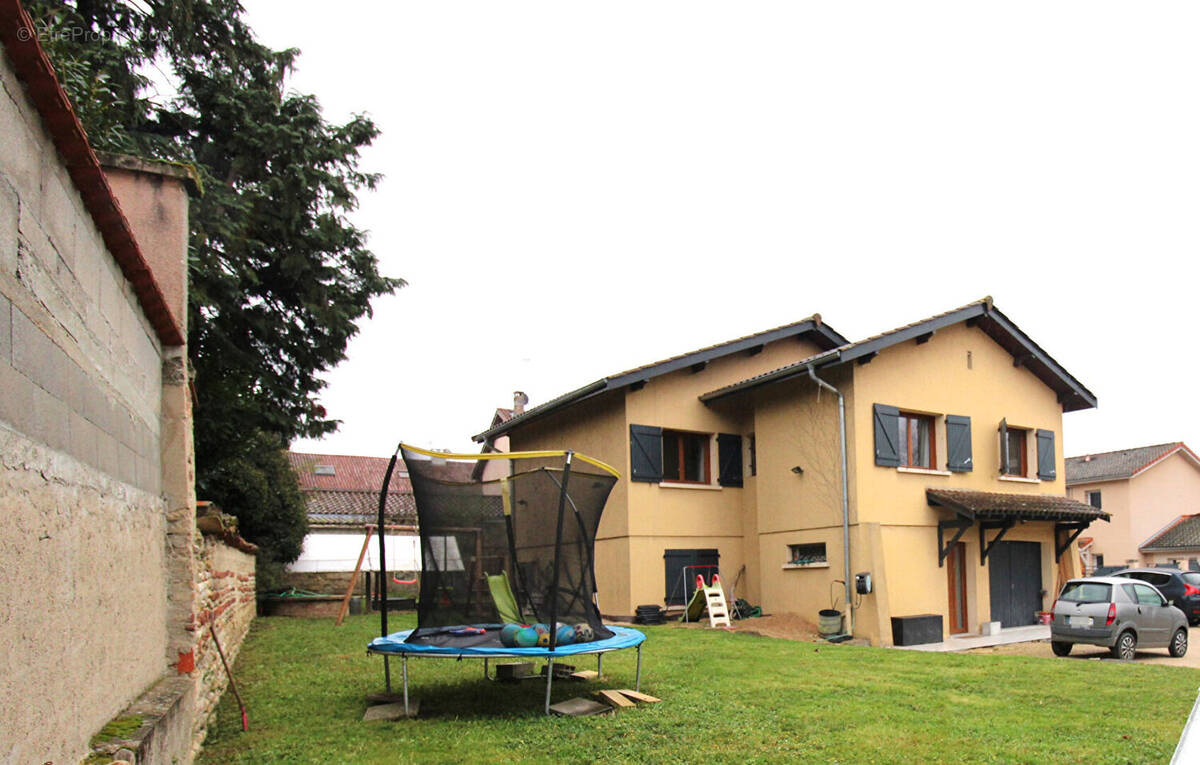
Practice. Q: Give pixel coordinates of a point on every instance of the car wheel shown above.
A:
(1125, 647)
(1060, 648)
(1179, 643)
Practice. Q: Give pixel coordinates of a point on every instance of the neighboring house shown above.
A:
(1147, 490)
(954, 495)
(107, 590)
(492, 469)
(342, 494)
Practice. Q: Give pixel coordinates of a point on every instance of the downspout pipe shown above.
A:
(845, 490)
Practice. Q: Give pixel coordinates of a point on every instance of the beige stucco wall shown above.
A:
(1114, 540)
(82, 600)
(642, 520)
(934, 378)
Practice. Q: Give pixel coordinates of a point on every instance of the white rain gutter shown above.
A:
(845, 491)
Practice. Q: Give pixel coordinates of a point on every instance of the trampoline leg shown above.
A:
(485, 669)
(405, 669)
(637, 685)
(549, 680)
(599, 665)
(387, 674)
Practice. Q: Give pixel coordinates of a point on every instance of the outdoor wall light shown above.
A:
(797, 470)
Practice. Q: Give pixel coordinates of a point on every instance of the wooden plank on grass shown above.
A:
(585, 674)
(615, 699)
(636, 696)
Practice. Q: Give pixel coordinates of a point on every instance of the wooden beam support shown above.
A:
(698, 366)
(754, 351)
(985, 547)
(925, 338)
(637, 385)
(962, 524)
(864, 360)
(1022, 360)
(1077, 528)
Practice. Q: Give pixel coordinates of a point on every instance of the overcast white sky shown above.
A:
(575, 189)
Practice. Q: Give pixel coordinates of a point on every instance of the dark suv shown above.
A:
(1181, 588)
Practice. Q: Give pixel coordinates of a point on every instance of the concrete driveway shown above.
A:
(1094, 653)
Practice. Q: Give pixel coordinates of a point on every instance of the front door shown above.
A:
(1015, 574)
(956, 576)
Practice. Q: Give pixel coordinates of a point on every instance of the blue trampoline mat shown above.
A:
(623, 637)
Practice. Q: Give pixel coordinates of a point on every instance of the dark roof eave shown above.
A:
(825, 335)
(1071, 392)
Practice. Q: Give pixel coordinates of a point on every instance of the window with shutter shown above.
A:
(685, 456)
(645, 453)
(1012, 451)
(915, 441)
(958, 444)
(1045, 455)
(887, 435)
(729, 459)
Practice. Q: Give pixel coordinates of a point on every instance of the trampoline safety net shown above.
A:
(535, 525)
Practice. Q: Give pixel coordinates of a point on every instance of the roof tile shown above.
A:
(1109, 466)
(1183, 534)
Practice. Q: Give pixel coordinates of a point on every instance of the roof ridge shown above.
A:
(1127, 449)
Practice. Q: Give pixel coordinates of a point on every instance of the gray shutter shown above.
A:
(645, 453)
(958, 443)
(887, 435)
(729, 459)
(1003, 445)
(1045, 446)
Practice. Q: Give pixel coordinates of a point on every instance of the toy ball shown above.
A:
(565, 635)
(543, 638)
(541, 628)
(508, 635)
(584, 633)
(527, 637)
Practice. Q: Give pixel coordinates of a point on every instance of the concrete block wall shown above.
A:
(83, 585)
(80, 365)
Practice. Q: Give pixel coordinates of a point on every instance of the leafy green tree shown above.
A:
(279, 277)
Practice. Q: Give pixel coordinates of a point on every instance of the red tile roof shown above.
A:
(351, 495)
(350, 473)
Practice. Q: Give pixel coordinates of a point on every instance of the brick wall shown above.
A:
(226, 600)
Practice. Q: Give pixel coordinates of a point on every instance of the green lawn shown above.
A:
(725, 697)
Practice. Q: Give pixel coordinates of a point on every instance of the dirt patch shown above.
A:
(783, 626)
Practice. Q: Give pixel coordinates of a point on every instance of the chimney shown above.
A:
(519, 402)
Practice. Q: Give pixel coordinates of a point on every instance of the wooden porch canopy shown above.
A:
(996, 511)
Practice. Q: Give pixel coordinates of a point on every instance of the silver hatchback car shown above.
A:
(1120, 614)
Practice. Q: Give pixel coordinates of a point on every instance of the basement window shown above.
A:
(810, 555)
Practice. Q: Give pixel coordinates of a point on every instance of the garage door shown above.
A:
(1015, 570)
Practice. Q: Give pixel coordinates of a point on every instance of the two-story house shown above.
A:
(1149, 491)
(927, 457)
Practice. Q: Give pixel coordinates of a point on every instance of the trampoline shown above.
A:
(507, 561)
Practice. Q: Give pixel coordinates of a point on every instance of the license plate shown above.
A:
(1079, 621)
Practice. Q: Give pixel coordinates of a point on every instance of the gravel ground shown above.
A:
(1091, 652)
